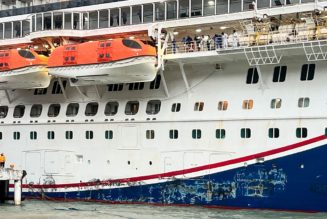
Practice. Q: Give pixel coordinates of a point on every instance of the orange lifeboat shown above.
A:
(103, 62)
(23, 69)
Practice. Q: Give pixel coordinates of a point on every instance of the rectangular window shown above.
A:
(279, 73)
(69, 134)
(222, 105)
(149, 134)
(108, 134)
(252, 76)
(3, 112)
(247, 104)
(132, 107)
(0, 135)
(308, 72)
(91, 109)
(303, 102)
(276, 103)
(54, 110)
(16, 135)
(175, 107)
(111, 108)
(115, 87)
(245, 133)
(36, 110)
(51, 135)
(40, 91)
(155, 84)
(136, 86)
(19, 111)
(153, 107)
(220, 133)
(301, 132)
(196, 133)
(198, 106)
(273, 133)
(89, 134)
(173, 133)
(56, 89)
(72, 109)
(33, 135)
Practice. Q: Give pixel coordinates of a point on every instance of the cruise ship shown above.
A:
(217, 103)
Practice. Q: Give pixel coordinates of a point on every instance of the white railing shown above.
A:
(284, 35)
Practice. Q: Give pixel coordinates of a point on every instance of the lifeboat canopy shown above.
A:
(23, 69)
(104, 62)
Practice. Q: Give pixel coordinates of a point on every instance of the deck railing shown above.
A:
(282, 36)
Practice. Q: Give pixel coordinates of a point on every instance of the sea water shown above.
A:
(31, 209)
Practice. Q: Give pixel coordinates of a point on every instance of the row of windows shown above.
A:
(279, 75)
(132, 108)
(300, 132)
(56, 88)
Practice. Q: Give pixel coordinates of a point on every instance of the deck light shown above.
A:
(211, 2)
(131, 37)
(198, 30)
(175, 33)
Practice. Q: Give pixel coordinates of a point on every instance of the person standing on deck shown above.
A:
(225, 39)
(235, 39)
(2, 160)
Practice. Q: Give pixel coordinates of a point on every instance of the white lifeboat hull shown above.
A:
(137, 69)
(25, 78)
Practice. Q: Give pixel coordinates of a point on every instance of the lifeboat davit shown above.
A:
(104, 62)
(23, 69)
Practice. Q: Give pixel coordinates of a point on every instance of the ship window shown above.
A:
(247, 104)
(26, 54)
(196, 133)
(173, 134)
(69, 134)
(36, 110)
(303, 102)
(16, 135)
(109, 134)
(101, 45)
(72, 58)
(101, 56)
(0, 135)
(252, 77)
(153, 107)
(56, 89)
(198, 106)
(131, 44)
(51, 135)
(155, 84)
(301, 132)
(108, 44)
(245, 133)
(54, 110)
(279, 73)
(115, 87)
(89, 134)
(273, 133)
(132, 107)
(222, 105)
(91, 109)
(3, 112)
(220, 133)
(111, 108)
(40, 91)
(276, 103)
(308, 72)
(72, 109)
(175, 107)
(66, 59)
(67, 48)
(19, 111)
(325, 131)
(33, 135)
(149, 134)
(136, 86)
(107, 55)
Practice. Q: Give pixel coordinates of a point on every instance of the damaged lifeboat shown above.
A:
(23, 69)
(103, 62)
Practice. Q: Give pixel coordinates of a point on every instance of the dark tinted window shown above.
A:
(252, 76)
(279, 73)
(131, 44)
(26, 54)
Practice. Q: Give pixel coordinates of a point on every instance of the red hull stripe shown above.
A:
(186, 171)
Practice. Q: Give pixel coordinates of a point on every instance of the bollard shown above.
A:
(18, 192)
